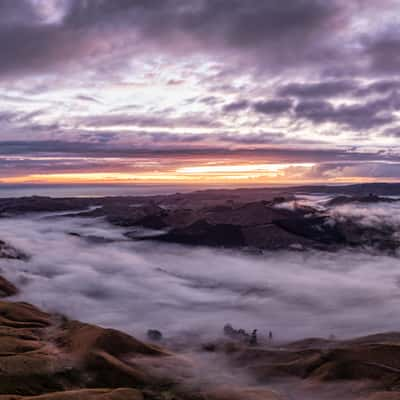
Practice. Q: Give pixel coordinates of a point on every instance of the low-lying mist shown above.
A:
(135, 286)
(367, 214)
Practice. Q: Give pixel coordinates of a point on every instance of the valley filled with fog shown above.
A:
(88, 269)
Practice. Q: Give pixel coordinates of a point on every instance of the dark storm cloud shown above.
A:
(98, 137)
(311, 101)
(263, 21)
(285, 34)
(348, 169)
(150, 139)
(392, 132)
(106, 150)
(337, 88)
(256, 138)
(17, 12)
(208, 100)
(288, 34)
(236, 106)
(383, 86)
(318, 89)
(272, 107)
(158, 120)
(284, 31)
(27, 47)
(357, 116)
(162, 137)
(17, 166)
(384, 52)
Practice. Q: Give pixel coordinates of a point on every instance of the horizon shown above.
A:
(197, 185)
(198, 93)
(99, 190)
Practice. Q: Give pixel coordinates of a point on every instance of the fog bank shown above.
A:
(135, 286)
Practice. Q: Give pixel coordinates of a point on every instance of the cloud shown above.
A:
(257, 138)
(301, 19)
(99, 149)
(382, 86)
(26, 49)
(383, 51)
(85, 98)
(272, 107)
(372, 169)
(171, 25)
(135, 286)
(236, 106)
(322, 89)
(392, 132)
(17, 12)
(6, 116)
(357, 116)
(369, 215)
(326, 89)
(273, 34)
(154, 121)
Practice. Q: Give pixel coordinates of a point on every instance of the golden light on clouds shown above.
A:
(205, 169)
(209, 173)
(95, 177)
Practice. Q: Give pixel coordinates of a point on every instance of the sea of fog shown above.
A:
(135, 286)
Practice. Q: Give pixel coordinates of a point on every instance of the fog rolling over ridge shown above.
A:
(88, 270)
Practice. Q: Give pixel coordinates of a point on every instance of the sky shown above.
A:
(199, 91)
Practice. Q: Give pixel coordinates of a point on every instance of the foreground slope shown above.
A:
(45, 356)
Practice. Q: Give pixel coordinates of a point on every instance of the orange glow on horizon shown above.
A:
(92, 177)
(209, 173)
(250, 174)
(253, 173)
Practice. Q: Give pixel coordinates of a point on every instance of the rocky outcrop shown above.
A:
(370, 199)
(261, 226)
(7, 251)
(314, 227)
(202, 233)
(381, 237)
(7, 288)
(147, 215)
(250, 214)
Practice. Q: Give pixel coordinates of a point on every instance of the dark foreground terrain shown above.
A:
(48, 356)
